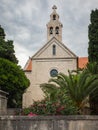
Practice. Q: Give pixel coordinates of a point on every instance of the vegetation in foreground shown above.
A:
(66, 95)
(12, 77)
(13, 81)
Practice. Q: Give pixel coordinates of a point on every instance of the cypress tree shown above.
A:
(7, 48)
(93, 54)
(93, 37)
(2, 33)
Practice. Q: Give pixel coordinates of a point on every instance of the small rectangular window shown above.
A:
(54, 49)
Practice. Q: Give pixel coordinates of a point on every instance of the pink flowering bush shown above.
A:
(48, 107)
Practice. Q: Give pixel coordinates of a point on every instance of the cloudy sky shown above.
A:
(24, 22)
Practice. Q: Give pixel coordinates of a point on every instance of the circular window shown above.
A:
(53, 73)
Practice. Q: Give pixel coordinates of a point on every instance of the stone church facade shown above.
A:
(52, 58)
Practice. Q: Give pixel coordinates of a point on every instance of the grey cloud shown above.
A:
(25, 22)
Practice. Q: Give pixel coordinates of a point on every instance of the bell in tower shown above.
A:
(54, 26)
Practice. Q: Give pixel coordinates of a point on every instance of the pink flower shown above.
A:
(32, 114)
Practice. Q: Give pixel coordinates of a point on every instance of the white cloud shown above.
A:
(22, 54)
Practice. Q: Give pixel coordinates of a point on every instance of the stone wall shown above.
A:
(3, 102)
(49, 123)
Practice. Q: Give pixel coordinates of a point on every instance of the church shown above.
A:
(52, 58)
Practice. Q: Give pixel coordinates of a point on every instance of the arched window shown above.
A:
(54, 50)
(57, 30)
(51, 30)
(54, 17)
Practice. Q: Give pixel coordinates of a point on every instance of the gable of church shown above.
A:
(54, 49)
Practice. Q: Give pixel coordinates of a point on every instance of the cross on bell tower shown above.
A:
(54, 26)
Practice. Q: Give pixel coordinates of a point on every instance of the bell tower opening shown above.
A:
(54, 17)
(54, 26)
(51, 30)
(57, 30)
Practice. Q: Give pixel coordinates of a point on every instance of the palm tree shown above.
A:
(50, 91)
(92, 69)
(56, 93)
(77, 86)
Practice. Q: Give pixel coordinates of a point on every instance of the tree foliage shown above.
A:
(7, 48)
(13, 81)
(93, 37)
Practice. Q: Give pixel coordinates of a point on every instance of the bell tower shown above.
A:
(54, 26)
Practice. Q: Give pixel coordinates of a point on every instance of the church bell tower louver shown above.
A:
(54, 26)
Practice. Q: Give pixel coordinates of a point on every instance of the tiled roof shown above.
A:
(82, 61)
(28, 66)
